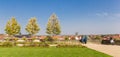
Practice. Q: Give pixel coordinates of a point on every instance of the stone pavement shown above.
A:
(112, 50)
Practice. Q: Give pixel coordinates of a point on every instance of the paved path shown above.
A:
(112, 50)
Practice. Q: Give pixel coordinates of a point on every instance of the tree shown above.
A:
(53, 26)
(32, 27)
(76, 34)
(12, 27)
(49, 29)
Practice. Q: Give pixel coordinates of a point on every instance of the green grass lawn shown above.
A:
(49, 52)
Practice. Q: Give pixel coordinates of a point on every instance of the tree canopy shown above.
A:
(12, 27)
(32, 27)
(53, 25)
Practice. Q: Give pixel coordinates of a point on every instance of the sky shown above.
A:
(82, 16)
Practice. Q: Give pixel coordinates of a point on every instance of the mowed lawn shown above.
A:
(49, 52)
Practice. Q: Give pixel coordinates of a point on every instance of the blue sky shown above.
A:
(82, 16)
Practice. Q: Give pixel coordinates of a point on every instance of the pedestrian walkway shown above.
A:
(112, 50)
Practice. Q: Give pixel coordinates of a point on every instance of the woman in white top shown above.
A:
(112, 41)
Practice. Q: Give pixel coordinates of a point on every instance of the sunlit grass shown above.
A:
(49, 52)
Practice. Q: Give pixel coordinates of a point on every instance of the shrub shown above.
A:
(117, 42)
(0, 44)
(15, 39)
(24, 38)
(36, 44)
(7, 44)
(117, 38)
(48, 38)
(27, 44)
(7, 39)
(97, 37)
(55, 39)
(20, 42)
(68, 45)
(66, 38)
(33, 39)
(44, 45)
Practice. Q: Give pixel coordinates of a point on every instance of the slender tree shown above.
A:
(53, 25)
(12, 27)
(49, 29)
(32, 27)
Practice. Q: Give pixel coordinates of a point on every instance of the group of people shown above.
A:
(82, 39)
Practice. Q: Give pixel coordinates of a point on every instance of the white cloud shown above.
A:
(109, 16)
(102, 14)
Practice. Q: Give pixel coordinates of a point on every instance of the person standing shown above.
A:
(112, 41)
(82, 39)
(85, 39)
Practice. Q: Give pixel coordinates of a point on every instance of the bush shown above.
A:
(15, 39)
(68, 45)
(27, 44)
(7, 39)
(66, 38)
(38, 44)
(0, 44)
(33, 39)
(24, 38)
(105, 42)
(48, 38)
(35, 42)
(7, 44)
(44, 45)
(117, 42)
(117, 38)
